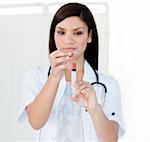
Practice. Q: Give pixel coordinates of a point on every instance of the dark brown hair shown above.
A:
(77, 9)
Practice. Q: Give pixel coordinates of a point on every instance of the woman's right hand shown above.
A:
(58, 61)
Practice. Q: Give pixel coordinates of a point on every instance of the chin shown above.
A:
(79, 56)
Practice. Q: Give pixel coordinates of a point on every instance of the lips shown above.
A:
(70, 49)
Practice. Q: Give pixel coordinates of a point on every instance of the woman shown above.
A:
(73, 39)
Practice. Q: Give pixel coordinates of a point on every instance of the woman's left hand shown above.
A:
(85, 95)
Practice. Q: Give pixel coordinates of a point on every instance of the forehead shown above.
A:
(72, 22)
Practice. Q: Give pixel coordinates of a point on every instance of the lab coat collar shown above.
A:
(89, 74)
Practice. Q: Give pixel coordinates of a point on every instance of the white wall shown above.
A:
(128, 62)
(129, 55)
(24, 43)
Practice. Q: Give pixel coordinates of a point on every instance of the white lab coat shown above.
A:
(35, 79)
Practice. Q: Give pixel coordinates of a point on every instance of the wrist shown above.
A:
(54, 79)
(94, 110)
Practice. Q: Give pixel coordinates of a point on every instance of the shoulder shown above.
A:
(106, 78)
(36, 69)
(110, 81)
(36, 72)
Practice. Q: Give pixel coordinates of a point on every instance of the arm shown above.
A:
(106, 129)
(39, 110)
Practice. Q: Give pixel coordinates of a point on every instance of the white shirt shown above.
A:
(35, 79)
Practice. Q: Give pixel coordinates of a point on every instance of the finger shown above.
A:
(83, 95)
(85, 90)
(59, 68)
(52, 57)
(81, 82)
(78, 87)
(61, 53)
(53, 54)
(75, 98)
(79, 99)
(84, 85)
(77, 91)
(61, 60)
(76, 84)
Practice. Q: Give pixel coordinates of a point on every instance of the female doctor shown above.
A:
(73, 38)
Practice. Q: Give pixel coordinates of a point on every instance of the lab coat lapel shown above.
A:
(89, 74)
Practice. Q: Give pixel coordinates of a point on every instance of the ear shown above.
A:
(90, 37)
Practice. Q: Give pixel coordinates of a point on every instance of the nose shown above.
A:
(68, 39)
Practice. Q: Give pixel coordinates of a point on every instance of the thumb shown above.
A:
(74, 98)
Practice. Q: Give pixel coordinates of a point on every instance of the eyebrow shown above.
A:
(73, 29)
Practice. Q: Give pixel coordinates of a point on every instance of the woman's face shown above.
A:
(71, 35)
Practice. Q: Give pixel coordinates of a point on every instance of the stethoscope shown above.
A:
(93, 83)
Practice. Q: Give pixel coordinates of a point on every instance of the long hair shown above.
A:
(80, 10)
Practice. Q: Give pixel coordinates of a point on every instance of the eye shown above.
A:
(60, 32)
(78, 33)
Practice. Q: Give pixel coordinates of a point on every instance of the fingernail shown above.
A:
(67, 57)
(69, 53)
